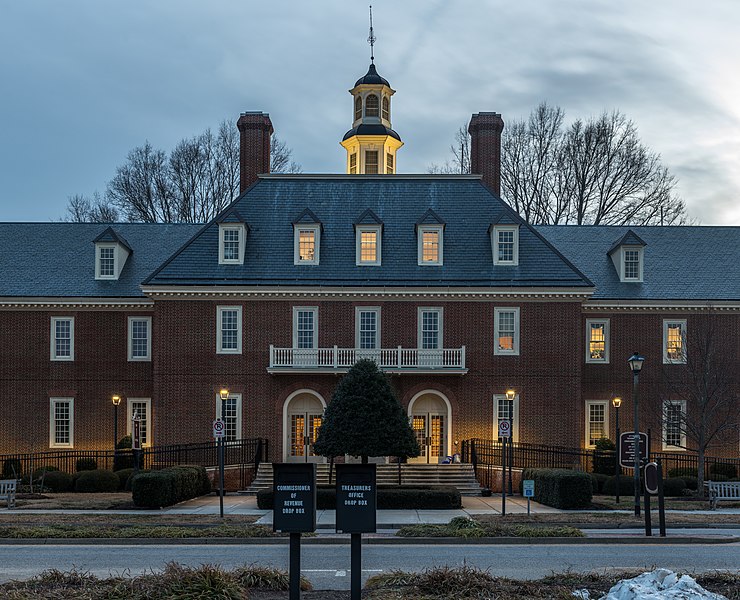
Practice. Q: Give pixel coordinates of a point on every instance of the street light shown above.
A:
(510, 395)
(616, 403)
(224, 394)
(635, 362)
(116, 401)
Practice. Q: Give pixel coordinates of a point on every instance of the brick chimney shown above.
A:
(255, 129)
(485, 147)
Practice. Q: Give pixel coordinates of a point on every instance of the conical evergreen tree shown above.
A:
(364, 418)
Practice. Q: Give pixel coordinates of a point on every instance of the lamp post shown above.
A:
(510, 395)
(116, 401)
(224, 394)
(635, 362)
(616, 403)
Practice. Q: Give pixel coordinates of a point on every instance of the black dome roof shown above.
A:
(371, 130)
(372, 77)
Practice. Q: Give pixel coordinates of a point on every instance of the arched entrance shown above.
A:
(431, 417)
(303, 413)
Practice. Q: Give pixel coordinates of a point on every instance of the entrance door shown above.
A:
(305, 414)
(432, 437)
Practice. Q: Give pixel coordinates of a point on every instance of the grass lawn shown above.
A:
(688, 503)
(609, 517)
(469, 528)
(76, 501)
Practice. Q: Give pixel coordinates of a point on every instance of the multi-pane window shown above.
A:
(673, 430)
(596, 421)
(107, 262)
(674, 341)
(141, 408)
(506, 330)
(597, 340)
(632, 265)
(371, 162)
(430, 328)
(368, 328)
(506, 245)
(61, 423)
(229, 329)
(358, 108)
(230, 411)
(305, 327)
(353, 163)
(372, 106)
(389, 163)
(307, 245)
(505, 410)
(62, 338)
(430, 245)
(232, 240)
(368, 245)
(139, 338)
(231, 244)
(386, 108)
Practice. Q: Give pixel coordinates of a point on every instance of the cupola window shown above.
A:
(389, 163)
(386, 108)
(358, 108)
(371, 162)
(372, 106)
(353, 163)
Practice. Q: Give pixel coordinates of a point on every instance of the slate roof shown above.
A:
(58, 259)
(681, 263)
(366, 129)
(463, 203)
(372, 77)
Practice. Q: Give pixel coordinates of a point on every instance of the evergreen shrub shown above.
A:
(96, 480)
(626, 486)
(727, 469)
(58, 481)
(123, 477)
(674, 487)
(166, 487)
(86, 464)
(38, 473)
(597, 482)
(604, 458)
(12, 468)
(683, 472)
(561, 488)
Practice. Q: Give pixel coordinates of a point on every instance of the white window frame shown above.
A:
(421, 230)
(99, 246)
(222, 229)
(239, 413)
(148, 356)
(315, 311)
(496, 331)
(53, 338)
(359, 230)
(147, 417)
(606, 324)
(664, 427)
(52, 423)
(297, 228)
(622, 256)
(587, 432)
(495, 245)
(420, 323)
(358, 311)
(666, 359)
(219, 333)
(514, 421)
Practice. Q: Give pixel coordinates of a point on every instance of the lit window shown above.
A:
(674, 341)
(368, 327)
(142, 408)
(372, 107)
(61, 423)
(229, 330)
(230, 412)
(386, 108)
(505, 240)
(430, 328)
(358, 108)
(430, 245)
(62, 338)
(305, 327)
(506, 331)
(232, 243)
(368, 244)
(674, 434)
(353, 163)
(597, 340)
(306, 245)
(371, 162)
(139, 338)
(505, 410)
(389, 163)
(596, 421)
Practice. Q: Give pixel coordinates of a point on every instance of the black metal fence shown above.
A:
(245, 454)
(486, 458)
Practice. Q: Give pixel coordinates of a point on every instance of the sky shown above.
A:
(82, 82)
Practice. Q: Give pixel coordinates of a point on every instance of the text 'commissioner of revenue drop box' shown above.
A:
(294, 493)
(356, 499)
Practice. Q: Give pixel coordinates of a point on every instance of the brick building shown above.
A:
(434, 277)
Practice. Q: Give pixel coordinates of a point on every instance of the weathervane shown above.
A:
(371, 37)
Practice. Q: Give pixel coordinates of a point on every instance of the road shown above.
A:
(327, 566)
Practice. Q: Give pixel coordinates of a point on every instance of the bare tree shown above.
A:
(589, 172)
(192, 184)
(708, 384)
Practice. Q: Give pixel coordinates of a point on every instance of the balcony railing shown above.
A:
(393, 360)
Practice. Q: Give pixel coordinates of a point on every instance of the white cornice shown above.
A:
(31, 303)
(660, 305)
(402, 293)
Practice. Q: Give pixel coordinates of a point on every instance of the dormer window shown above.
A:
(431, 244)
(307, 245)
(372, 106)
(505, 242)
(368, 245)
(632, 270)
(232, 242)
(106, 263)
(111, 254)
(628, 254)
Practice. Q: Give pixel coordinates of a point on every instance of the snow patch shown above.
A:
(661, 584)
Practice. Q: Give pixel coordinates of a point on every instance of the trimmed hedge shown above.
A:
(626, 486)
(38, 473)
(683, 472)
(674, 487)
(58, 481)
(692, 483)
(86, 464)
(12, 468)
(165, 487)
(597, 482)
(98, 480)
(123, 476)
(727, 469)
(561, 488)
(389, 497)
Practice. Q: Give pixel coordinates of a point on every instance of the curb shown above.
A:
(374, 541)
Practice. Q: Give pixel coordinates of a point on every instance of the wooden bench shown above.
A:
(722, 490)
(7, 491)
